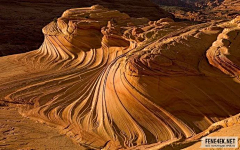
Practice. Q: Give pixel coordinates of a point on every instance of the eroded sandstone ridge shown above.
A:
(111, 81)
(21, 18)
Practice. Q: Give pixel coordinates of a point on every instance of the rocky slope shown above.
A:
(190, 3)
(110, 81)
(202, 10)
(229, 8)
(22, 20)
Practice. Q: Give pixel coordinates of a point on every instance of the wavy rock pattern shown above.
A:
(111, 81)
(21, 18)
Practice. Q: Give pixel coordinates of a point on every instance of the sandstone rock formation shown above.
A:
(22, 20)
(110, 81)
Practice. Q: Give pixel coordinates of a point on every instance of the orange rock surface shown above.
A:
(21, 18)
(110, 81)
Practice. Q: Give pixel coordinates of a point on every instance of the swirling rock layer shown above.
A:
(111, 81)
(22, 20)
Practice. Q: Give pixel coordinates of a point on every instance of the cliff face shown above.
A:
(110, 81)
(22, 20)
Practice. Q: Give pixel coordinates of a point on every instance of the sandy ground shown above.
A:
(19, 133)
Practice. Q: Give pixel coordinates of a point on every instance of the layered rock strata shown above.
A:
(111, 81)
(22, 20)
